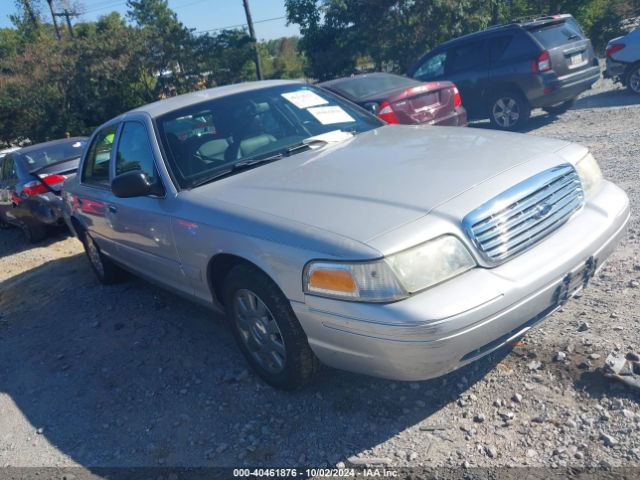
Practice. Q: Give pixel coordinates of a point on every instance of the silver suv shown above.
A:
(328, 236)
(623, 60)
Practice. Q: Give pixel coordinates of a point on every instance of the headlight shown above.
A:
(392, 278)
(362, 282)
(590, 175)
(431, 263)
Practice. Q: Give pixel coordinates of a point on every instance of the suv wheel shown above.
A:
(509, 111)
(266, 329)
(633, 78)
(106, 271)
(560, 108)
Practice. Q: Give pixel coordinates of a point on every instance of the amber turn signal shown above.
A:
(333, 280)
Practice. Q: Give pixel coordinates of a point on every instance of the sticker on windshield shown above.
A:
(304, 98)
(329, 115)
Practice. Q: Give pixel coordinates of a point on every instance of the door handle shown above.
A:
(112, 208)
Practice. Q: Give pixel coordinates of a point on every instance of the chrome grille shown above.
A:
(526, 213)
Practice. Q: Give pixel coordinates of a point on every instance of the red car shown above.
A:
(397, 99)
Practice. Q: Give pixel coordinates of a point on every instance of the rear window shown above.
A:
(38, 158)
(363, 87)
(557, 34)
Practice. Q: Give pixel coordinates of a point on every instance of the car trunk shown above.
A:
(569, 50)
(427, 103)
(57, 172)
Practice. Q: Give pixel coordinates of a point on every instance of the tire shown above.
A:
(509, 110)
(4, 225)
(33, 233)
(560, 108)
(107, 272)
(266, 329)
(632, 79)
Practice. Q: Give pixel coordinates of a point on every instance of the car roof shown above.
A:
(328, 83)
(52, 143)
(515, 25)
(161, 107)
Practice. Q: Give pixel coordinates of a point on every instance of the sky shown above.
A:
(199, 14)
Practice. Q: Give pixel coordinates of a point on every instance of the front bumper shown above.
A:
(459, 321)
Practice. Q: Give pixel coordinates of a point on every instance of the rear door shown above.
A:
(94, 189)
(570, 51)
(468, 67)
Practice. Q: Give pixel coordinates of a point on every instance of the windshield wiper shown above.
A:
(310, 143)
(238, 166)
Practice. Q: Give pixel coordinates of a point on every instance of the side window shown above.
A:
(497, 47)
(96, 166)
(467, 57)
(432, 67)
(134, 151)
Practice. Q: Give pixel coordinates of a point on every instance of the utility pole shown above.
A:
(252, 34)
(67, 15)
(55, 21)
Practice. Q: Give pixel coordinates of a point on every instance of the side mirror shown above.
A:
(133, 184)
(373, 107)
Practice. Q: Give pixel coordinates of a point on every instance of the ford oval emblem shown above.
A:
(542, 211)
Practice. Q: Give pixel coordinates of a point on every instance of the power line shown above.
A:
(240, 25)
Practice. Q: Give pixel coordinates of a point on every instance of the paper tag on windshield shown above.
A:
(329, 115)
(304, 98)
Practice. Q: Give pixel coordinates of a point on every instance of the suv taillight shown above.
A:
(36, 188)
(387, 114)
(457, 99)
(542, 63)
(614, 48)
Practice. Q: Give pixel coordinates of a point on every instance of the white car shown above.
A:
(623, 60)
(3, 152)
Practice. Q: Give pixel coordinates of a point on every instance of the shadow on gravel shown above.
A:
(607, 98)
(12, 240)
(130, 375)
(540, 119)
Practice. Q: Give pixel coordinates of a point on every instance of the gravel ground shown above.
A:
(131, 375)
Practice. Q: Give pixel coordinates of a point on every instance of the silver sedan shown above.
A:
(329, 237)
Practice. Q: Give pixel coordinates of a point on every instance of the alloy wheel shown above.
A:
(259, 331)
(506, 112)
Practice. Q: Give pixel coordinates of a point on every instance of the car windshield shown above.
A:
(205, 140)
(36, 157)
(366, 86)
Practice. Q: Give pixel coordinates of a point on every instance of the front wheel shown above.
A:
(633, 79)
(509, 111)
(267, 330)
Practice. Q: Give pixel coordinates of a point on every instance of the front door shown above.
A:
(141, 226)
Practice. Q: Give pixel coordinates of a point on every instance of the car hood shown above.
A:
(378, 180)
